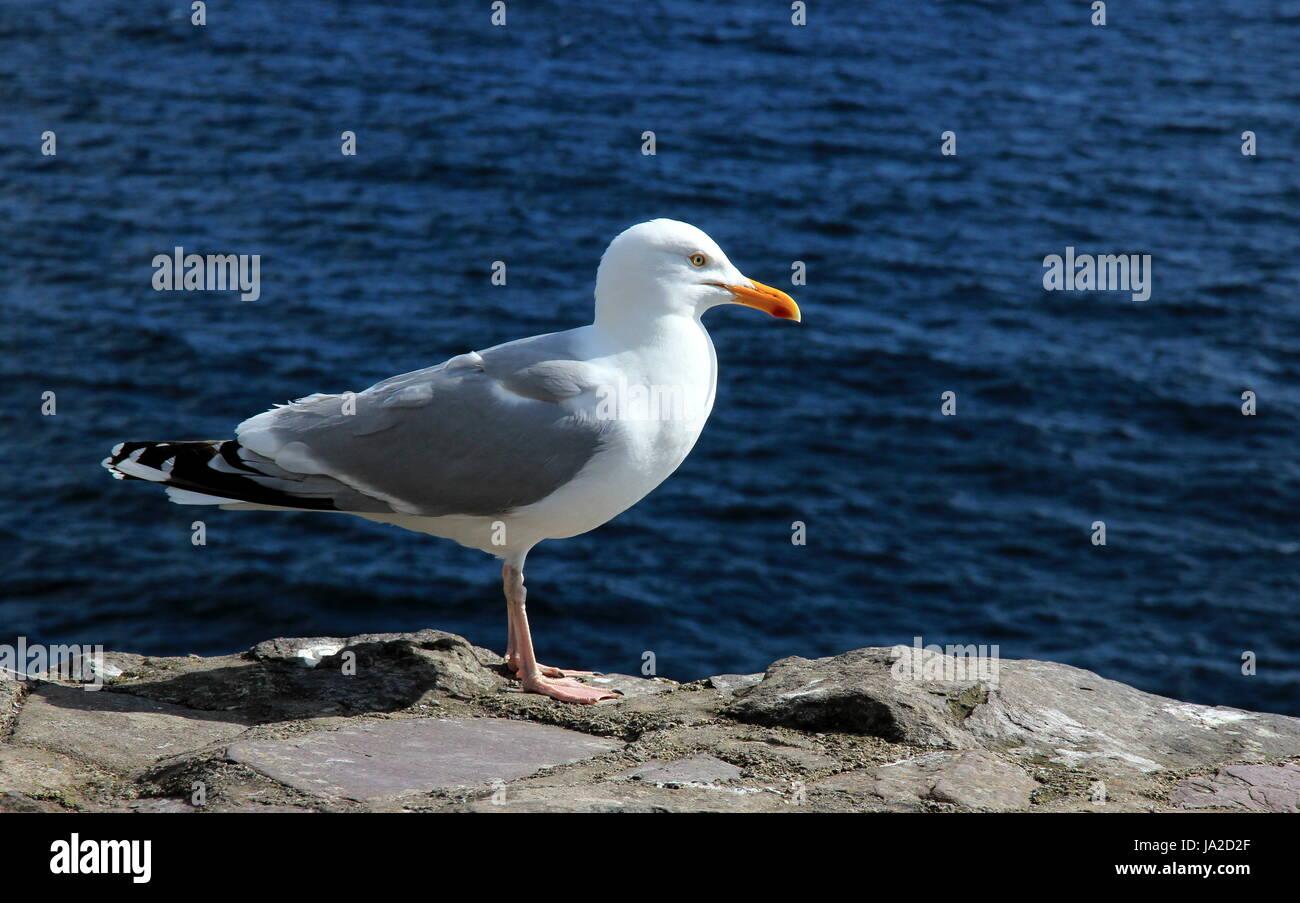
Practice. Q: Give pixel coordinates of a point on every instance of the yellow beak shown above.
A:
(765, 298)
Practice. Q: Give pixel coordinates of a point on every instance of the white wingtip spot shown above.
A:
(189, 497)
(132, 469)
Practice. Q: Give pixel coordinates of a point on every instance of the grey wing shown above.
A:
(480, 434)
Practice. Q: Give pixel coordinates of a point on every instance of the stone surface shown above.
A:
(970, 780)
(162, 805)
(378, 759)
(1040, 710)
(1076, 718)
(10, 692)
(631, 687)
(429, 722)
(1253, 788)
(17, 802)
(697, 769)
(632, 797)
(36, 772)
(858, 692)
(120, 733)
(731, 683)
(754, 752)
(105, 667)
(298, 650)
(978, 780)
(389, 672)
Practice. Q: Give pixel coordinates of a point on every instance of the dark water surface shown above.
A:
(818, 144)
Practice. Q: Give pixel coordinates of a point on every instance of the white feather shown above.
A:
(189, 497)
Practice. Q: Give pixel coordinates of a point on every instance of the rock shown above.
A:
(970, 780)
(698, 769)
(732, 683)
(37, 772)
(16, 802)
(106, 667)
(978, 780)
(120, 733)
(630, 686)
(629, 716)
(368, 673)
(450, 663)
(757, 752)
(857, 692)
(373, 760)
(1038, 710)
(899, 729)
(1253, 788)
(631, 796)
(10, 692)
(161, 805)
(290, 649)
(1065, 715)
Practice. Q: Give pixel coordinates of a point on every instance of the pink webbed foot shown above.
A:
(548, 671)
(514, 664)
(567, 690)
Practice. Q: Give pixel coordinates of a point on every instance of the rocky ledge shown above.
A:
(428, 722)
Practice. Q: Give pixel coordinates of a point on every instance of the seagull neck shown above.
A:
(639, 327)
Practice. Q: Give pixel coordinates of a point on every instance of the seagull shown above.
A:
(544, 437)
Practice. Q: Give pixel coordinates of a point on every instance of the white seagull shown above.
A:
(540, 438)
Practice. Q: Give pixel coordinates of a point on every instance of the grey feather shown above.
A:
(480, 434)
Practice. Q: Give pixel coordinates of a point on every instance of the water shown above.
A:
(818, 144)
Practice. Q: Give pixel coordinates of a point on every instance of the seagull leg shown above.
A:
(512, 654)
(512, 649)
(535, 678)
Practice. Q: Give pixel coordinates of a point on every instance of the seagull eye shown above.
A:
(698, 260)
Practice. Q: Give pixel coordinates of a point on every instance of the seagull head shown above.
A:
(669, 267)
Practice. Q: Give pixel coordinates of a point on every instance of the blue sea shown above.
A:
(818, 143)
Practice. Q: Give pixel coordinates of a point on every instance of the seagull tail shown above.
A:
(210, 472)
